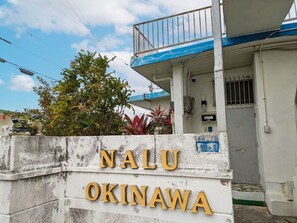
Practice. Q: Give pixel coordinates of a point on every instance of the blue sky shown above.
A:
(47, 34)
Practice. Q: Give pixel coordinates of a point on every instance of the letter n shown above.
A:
(141, 196)
(107, 159)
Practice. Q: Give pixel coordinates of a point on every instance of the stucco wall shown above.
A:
(43, 179)
(277, 149)
(203, 87)
(31, 179)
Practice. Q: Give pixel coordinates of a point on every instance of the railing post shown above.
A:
(218, 67)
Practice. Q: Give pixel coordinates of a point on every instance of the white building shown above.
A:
(260, 87)
(250, 102)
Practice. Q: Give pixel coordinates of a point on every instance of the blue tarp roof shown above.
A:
(149, 96)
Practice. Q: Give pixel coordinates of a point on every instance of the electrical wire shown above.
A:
(26, 70)
(123, 69)
(83, 22)
(58, 14)
(31, 52)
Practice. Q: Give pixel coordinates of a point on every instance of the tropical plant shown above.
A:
(160, 118)
(137, 126)
(87, 101)
(157, 115)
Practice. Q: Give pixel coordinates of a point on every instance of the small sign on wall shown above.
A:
(207, 144)
(209, 118)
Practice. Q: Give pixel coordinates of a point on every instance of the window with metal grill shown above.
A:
(239, 91)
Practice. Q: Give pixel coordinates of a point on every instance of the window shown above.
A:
(239, 91)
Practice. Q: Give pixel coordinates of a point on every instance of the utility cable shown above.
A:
(93, 35)
(25, 70)
(31, 52)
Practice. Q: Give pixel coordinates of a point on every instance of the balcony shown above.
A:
(184, 29)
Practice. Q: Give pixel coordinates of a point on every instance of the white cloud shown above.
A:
(137, 82)
(109, 42)
(123, 29)
(21, 83)
(1, 82)
(77, 17)
(169, 7)
(83, 45)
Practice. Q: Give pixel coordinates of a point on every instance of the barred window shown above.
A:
(239, 91)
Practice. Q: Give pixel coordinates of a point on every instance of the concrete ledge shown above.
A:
(29, 174)
(278, 204)
(192, 173)
(250, 196)
(186, 173)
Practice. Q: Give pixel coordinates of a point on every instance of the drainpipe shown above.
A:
(266, 125)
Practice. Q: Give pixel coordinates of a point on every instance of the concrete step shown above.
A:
(248, 194)
(278, 204)
(280, 199)
(288, 190)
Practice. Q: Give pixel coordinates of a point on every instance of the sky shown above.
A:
(45, 35)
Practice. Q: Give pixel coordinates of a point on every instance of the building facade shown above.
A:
(179, 54)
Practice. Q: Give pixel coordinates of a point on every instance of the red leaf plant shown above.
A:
(137, 126)
(158, 116)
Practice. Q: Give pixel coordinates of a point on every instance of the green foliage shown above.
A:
(87, 101)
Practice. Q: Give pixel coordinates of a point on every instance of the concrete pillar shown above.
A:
(218, 67)
(178, 97)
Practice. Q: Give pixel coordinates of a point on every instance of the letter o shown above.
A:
(89, 191)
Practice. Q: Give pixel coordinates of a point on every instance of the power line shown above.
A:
(59, 13)
(93, 35)
(25, 70)
(83, 22)
(5, 40)
(31, 52)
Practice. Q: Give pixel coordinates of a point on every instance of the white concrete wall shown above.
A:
(43, 179)
(203, 87)
(163, 102)
(31, 179)
(277, 149)
(195, 172)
